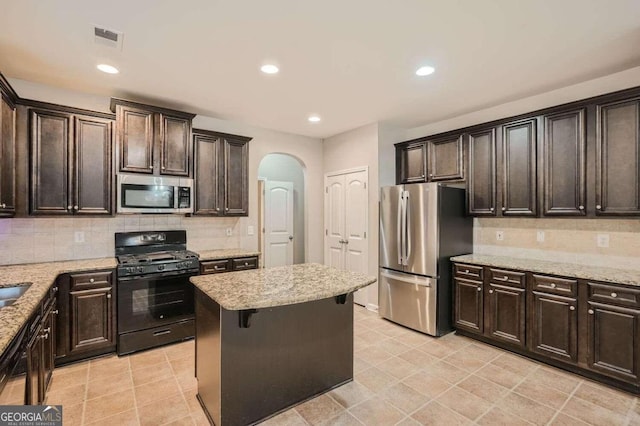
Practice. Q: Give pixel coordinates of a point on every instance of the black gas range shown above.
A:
(155, 296)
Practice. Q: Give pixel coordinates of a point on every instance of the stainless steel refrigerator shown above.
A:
(421, 226)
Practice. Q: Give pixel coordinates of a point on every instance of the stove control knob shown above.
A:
(160, 267)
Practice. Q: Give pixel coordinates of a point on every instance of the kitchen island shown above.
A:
(268, 339)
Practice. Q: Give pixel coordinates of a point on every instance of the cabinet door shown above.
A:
(50, 184)
(554, 327)
(445, 157)
(614, 341)
(175, 146)
(207, 175)
(468, 305)
(93, 171)
(91, 320)
(481, 184)
(34, 369)
(236, 179)
(564, 164)
(519, 168)
(7, 159)
(135, 139)
(411, 163)
(506, 314)
(48, 347)
(618, 158)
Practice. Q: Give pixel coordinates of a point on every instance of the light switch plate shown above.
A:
(249, 230)
(229, 232)
(602, 240)
(78, 236)
(499, 235)
(540, 236)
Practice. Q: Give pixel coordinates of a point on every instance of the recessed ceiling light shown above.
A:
(109, 69)
(269, 69)
(426, 70)
(314, 118)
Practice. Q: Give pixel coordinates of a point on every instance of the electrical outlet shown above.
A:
(499, 235)
(249, 230)
(229, 232)
(78, 236)
(540, 236)
(602, 240)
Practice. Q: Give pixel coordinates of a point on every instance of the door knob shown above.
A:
(572, 308)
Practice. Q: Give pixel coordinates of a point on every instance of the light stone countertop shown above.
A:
(283, 285)
(42, 276)
(562, 269)
(225, 254)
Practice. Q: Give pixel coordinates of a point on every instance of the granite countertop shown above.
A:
(283, 285)
(42, 276)
(225, 254)
(563, 269)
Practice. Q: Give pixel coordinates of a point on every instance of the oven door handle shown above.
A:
(174, 274)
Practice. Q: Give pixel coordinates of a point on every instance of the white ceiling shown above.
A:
(350, 61)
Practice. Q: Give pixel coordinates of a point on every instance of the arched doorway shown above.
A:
(281, 200)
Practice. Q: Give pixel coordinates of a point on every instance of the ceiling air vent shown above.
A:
(109, 38)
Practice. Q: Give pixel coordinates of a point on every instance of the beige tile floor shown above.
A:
(401, 377)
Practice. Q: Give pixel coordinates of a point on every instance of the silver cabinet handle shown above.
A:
(590, 311)
(55, 312)
(430, 174)
(92, 280)
(491, 209)
(163, 168)
(553, 285)
(4, 206)
(47, 330)
(479, 288)
(218, 268)
(614, 294)
(598, 207)
(151, 167)
(505, 278)
(246, 263)
(466, 271)
(227, 208)
(491, 291)
(108, 295)
(504, 209)
(75, 207)
(581, 207)
(217, 209)
(69, 207)
(572, 308)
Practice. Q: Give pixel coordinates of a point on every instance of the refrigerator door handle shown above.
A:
(400, 227)
(407, 226)
(413, 281)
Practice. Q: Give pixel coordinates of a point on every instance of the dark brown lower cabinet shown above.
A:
(468, 304)
(554, 326)
(614, 341)
(506, 313)
(40, 355)
(87, 319)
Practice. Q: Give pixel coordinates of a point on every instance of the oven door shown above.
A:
(154, 300)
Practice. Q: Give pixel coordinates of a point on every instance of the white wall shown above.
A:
(355, 148)
(285, 168)
(307, 150)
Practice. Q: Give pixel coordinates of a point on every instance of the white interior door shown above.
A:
(334, 222)
(346, 223)
(356, 223)
(278, 223)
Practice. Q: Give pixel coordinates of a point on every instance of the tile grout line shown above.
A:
(133, 390)
(559, 411)
(175, 378)
(86, 394)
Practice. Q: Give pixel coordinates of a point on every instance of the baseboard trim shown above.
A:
(372, 307)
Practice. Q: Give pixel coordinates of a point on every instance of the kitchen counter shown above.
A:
(574, 270)
(268, 339)
(225, 254)
(42, 276)
(285, 285)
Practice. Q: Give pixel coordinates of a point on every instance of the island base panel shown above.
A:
(286, 355)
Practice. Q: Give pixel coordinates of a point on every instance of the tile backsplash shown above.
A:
(52, 239)
(565, 240)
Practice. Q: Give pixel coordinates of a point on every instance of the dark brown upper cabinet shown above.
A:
(564, 163)
(71, 164)
(221, 174)
(519, 168)
(446, 159)
(7, 149)
(618, 158)
(481, 184)
(411, 162)
(152, 140)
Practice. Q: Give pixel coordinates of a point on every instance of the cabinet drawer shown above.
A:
(613, 294)
(468, 271)
(555, 285)
(90, 280)
(507, 277)
(245, 263)
(215, 266)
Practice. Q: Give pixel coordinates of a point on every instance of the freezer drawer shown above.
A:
(408, 300)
